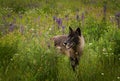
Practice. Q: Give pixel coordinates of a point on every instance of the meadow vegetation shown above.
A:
(28, 54)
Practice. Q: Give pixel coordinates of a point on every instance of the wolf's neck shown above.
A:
(75, 48)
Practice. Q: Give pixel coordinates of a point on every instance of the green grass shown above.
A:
(28, 54)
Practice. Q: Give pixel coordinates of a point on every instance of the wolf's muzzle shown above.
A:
(65, 43)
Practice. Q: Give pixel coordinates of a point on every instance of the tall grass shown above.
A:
(28, 54)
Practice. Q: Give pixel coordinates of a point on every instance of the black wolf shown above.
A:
(71, 45)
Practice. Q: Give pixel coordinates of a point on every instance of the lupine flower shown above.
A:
(14, 20)
(38, 18)
(22, 29)
(9, 15)
(66, 17)
(82, 18)
(59, 22)
(20, 16)
(48, 44)
(11, 28)
(104, 10)
(54, 18)
(63, 29)
(117, 16)
(77, 17)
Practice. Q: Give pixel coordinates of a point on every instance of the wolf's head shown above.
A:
(73, 38)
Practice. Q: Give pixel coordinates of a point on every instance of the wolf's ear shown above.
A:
(70, 30)
(78, 31)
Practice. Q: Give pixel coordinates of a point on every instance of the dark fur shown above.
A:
(71, 45)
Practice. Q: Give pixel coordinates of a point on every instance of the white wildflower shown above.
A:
(50, 29)
(102, 73)
(104, 50)
(118, 77)
(32, 29)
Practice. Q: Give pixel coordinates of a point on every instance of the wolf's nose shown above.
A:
(64, 43)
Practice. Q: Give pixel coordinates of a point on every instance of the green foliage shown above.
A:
(27, 53)
(8, 48)
(117, 42)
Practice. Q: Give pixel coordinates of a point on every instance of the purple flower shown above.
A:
(117, 16)
(20, 16)
(9, 15)
(38, 18)
(22, 29)
(14, 20)
(54, 18)
(104, 10)
(66, 17)
(11, 28)
(77, 17)
(48, 44)
(82, 18)
(59, 22)
(63, 29)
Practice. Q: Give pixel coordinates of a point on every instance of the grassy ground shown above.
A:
(28, 54)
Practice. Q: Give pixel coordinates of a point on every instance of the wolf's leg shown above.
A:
(76, 61)
(73, 63)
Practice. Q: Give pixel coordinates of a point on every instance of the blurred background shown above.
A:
(28, 54)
